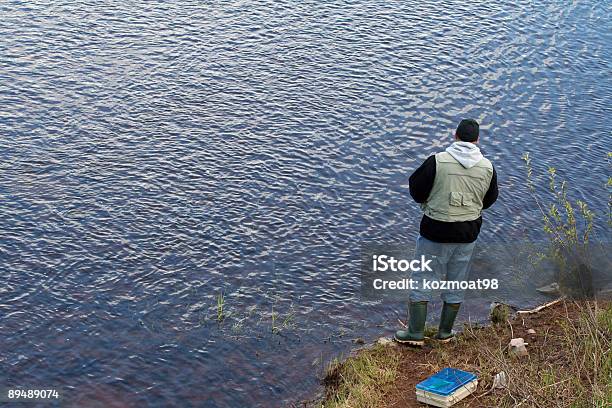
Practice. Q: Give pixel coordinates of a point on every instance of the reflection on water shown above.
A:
(158, 154)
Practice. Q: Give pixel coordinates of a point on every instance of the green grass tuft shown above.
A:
(360, 381)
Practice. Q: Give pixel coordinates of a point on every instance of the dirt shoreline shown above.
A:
(552, 374)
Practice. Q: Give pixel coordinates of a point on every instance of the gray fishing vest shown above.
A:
(457, 192)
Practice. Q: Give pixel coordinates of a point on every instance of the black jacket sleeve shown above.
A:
(492, 193)
(422, 180)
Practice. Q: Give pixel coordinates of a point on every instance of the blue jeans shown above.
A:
(450, 262)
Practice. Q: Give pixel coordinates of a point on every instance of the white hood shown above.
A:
(466, 153)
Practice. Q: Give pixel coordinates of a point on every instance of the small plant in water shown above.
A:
(275, 329)
(220, 303)
(568, 225)
(285, 323)
(289, 320)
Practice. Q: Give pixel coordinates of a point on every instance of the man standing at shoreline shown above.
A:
(453, 187)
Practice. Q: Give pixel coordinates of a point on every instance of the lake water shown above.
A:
(157, 157)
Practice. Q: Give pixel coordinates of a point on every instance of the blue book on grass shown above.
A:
(446, 382)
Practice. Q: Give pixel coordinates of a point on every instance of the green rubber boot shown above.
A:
(415, 335)
(447, 319)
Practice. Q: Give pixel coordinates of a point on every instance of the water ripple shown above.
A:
(158, 155)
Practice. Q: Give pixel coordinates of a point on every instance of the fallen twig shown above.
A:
(544, 306)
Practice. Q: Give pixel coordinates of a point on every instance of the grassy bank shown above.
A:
(569, 363)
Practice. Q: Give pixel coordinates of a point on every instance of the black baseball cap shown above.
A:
(467, 131)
